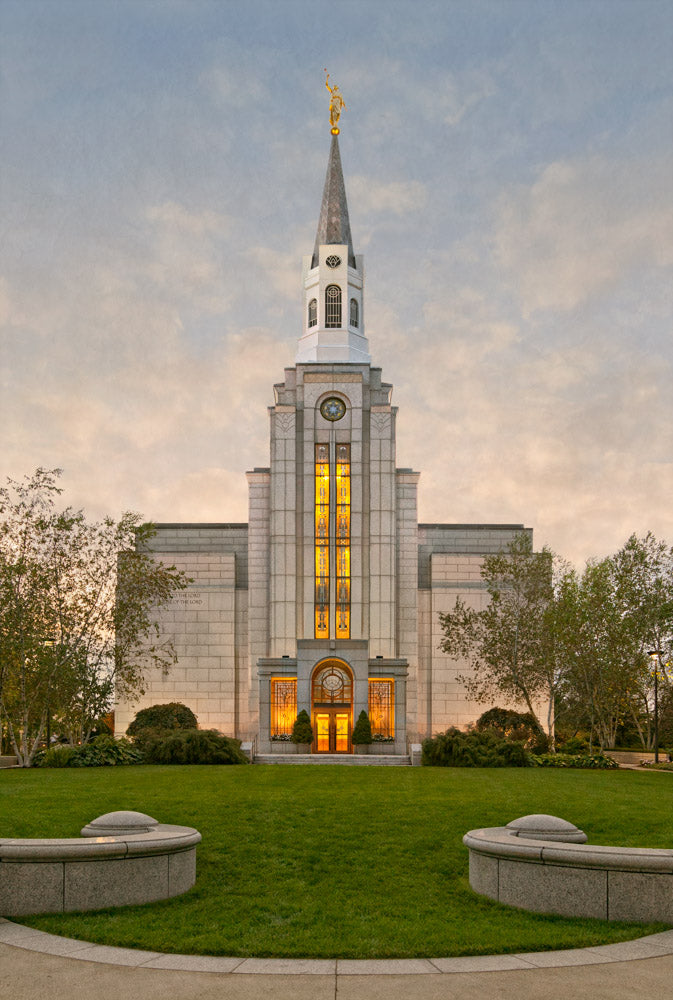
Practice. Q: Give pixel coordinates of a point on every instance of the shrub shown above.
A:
(522, 727)
(474, 749)
(572, 744)
(103, 751)
(595, 761)
(163, 719)
(362, 730)
(58, 756)
(193, 746)
(302, 731)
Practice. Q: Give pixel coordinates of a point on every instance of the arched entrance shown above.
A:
(332, 707)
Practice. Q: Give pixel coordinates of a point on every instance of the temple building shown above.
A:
(328, 599)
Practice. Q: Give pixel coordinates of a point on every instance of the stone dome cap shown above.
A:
(540, 826)
(119, 824)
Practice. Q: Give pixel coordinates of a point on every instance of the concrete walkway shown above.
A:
(37, 965)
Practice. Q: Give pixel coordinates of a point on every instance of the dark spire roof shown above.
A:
(334, 226)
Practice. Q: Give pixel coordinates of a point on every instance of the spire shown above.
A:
(333, 226)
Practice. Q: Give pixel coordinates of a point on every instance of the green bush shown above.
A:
(57, 756)
(521, 727)
(473, 749)
(103, 751)
(302, 731)
(162, 719)
(595, 761)
(362, 731)
(572, 744)
(193, 746)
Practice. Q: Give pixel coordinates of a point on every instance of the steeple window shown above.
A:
(332, 306)
(343, 541)
(322, 519)
(332, 539)
(355, 313)
(313, 312)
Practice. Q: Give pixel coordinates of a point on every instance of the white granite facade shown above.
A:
(250, 615)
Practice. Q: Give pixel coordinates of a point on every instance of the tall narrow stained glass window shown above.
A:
(283, 705)
(382, 707)
(322, 541)
(332, 306)
(343, 541)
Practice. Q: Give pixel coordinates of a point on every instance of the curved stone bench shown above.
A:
(122, 858)
(541, 863)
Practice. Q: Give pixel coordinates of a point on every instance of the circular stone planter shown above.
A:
(122, 858)
(542, 863)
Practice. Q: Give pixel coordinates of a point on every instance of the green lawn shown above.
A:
(336, 861)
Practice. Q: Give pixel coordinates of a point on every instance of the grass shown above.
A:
(336, 861)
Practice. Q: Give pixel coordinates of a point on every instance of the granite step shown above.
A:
(351, 759)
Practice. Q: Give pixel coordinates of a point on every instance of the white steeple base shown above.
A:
(333, 345)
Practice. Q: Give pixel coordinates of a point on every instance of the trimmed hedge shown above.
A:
(455, 748)
(595, 761)
(193, 746)
(484, 748)
(163, 719)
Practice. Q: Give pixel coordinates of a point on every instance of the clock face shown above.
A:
(333, 408)
(333, 260)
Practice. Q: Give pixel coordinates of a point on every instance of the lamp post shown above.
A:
(654, 655)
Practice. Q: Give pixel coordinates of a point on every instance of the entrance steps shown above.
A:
(352, 759)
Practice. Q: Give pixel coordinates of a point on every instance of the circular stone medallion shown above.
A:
(333, 408)
(333, 260)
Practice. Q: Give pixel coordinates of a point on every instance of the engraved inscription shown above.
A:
(189, 599)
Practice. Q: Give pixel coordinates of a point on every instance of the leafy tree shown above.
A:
(602, 661)
(510, 643)
(643, 575)
(608, 618)
(78, 604)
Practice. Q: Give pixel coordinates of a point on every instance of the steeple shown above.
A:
(333, 277)
(333, 225)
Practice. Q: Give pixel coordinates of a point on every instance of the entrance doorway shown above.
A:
(331, 702)
(332, 731)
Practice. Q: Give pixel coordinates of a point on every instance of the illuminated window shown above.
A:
(382, 707)
(343, 541)
(322, 541)
(332, 306)
(283, 705)
(354, 312)
(332, 685)
(313, 312)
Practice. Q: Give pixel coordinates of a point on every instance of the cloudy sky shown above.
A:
(510, 182)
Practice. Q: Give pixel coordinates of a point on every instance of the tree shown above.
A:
(643, 574)
(611, 616)
(602, 661)
(78, 603)
(510, 643)
(362, 730)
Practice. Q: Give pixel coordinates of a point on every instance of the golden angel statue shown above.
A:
(336, 105)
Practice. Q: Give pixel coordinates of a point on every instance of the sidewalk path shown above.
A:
(35, 965)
